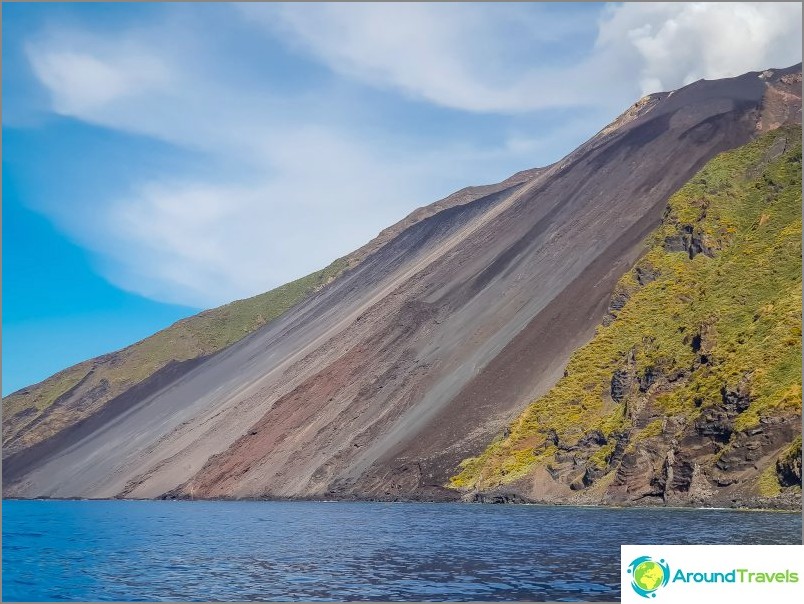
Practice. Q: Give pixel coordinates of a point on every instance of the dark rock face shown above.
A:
(788, 468)
(669, 469)
(674, 467)
(716, 424)
(647, 379)
(678, 475)
(621, 383)
(617, 302)
(498, 498)
(595, 438)
(736, 401)
(688, 241)
(746, 449)
(621, 441)
(645, 275)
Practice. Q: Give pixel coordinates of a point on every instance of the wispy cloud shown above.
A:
(85, 83)
(498, 58)
(476, 57)
(291, 177)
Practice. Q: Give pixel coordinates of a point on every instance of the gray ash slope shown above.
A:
(382, 382)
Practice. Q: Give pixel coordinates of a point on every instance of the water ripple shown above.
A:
(185, 551)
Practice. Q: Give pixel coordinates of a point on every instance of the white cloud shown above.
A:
(460, 56)
(308, 185)
(82, 83)
(675, 43)
(307, 190)
(206, 241)
(466, 56)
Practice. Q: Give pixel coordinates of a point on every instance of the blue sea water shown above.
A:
(169, 550)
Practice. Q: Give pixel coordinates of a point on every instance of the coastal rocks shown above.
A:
(580, 465)
(716, 422)
(679, 460)
(503, 497)
(747, 448)
(636, 478)
(698, 459)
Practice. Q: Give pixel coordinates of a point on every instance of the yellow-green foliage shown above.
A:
(600, 458)
(768, 482)
(652, 429)
(790, 456)
(42, 395)
(744, 302)
(197, 336)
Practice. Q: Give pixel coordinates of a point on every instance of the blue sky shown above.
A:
(163, 158)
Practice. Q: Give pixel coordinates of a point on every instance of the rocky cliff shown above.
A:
(690, 391)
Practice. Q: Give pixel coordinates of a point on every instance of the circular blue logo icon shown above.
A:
(648, 575)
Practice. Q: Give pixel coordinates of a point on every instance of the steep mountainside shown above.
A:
(33, 414)
(690, 392)
(37, 412)
(441, 331)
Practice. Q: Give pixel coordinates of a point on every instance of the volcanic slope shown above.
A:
(690, 391)
(381, 382)
(61, 402)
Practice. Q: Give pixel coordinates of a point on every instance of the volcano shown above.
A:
(413, 354)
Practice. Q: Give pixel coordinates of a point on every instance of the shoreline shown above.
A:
(736, 508)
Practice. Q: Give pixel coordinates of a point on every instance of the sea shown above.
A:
(290, 551)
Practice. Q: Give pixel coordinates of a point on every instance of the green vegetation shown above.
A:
(197, 336)
(768, 482)
(713, 306)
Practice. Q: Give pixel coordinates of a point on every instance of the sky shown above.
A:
(159, 159)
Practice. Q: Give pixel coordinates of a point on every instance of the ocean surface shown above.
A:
(169, 550)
